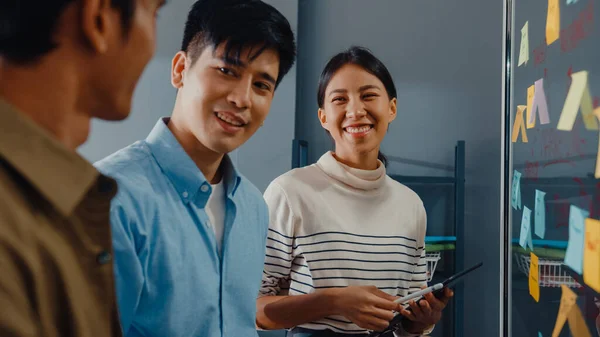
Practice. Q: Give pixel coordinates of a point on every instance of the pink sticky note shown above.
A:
(539, 104)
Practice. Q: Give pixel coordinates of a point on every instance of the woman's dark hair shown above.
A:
(363, 58)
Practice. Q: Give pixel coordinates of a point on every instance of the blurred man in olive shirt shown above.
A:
(62, 62)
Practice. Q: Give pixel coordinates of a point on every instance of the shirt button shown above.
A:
(104, 257)
(204, 188)
(184, 194)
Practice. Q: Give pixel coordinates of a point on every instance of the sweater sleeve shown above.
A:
(419, 277)
(280, 243)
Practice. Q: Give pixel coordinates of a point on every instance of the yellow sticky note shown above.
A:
(591, 254)
(577, 323)
(530, 94)
(552, 22)
(578, 97)
(587, 110)
(524, 53)
(519, 125)
(567, 301)
(534, 282)
(597, 173)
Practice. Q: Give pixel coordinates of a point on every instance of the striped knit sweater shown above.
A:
(334, 226)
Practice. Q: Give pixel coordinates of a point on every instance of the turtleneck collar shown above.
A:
(353, 177)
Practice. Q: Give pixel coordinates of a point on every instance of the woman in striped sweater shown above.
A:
(345, 239)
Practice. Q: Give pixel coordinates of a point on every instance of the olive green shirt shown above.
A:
(56, 272)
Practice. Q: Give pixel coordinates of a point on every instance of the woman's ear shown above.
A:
(323, 118)
(393, 109)
(178, 67)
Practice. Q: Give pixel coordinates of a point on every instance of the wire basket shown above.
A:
(551, 273)
(432, 261)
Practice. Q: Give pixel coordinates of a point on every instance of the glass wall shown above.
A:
(552, 266)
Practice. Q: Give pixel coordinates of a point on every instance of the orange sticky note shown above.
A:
(552, 22)
(534, 282)
(567, 301)
(519, 125)
(591, 254)
(577, 323)
(530, 94)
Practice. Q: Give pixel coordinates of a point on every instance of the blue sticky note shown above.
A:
(516, 190)
(525, 238)
(574, 255)
(540, 214)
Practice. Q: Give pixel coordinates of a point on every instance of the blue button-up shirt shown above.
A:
(171, 280)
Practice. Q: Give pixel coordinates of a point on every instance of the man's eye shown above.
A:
(262, 86)
(226, 71)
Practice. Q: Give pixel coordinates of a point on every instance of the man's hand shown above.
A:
(427, 312)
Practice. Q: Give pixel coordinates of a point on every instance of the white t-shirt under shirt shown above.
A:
(215, 210)
(336, 226)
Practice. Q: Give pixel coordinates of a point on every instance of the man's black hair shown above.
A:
(239, 24)
(27, 26)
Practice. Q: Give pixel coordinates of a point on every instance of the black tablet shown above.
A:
(438, 291)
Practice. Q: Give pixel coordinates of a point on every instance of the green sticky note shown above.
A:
(525, 239)
(574, 254)
(540, 214)
(516, 190)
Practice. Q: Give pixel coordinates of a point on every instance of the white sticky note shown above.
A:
(597, 172)
(578, 98)
(524, 53)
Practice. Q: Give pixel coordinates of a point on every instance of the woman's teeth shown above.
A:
(360, 129)
(227, 119)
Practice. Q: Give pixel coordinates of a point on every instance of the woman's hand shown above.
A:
(366, 306)
(427, 312)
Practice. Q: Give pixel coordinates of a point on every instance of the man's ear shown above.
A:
(99, 23)
(178, 68)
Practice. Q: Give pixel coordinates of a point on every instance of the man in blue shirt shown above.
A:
(189, 230)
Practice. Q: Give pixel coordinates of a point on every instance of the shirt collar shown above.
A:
(180, 169)
(59, 174)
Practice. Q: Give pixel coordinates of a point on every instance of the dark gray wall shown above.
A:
(446, 59)
(268, 154)
(154, 97)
